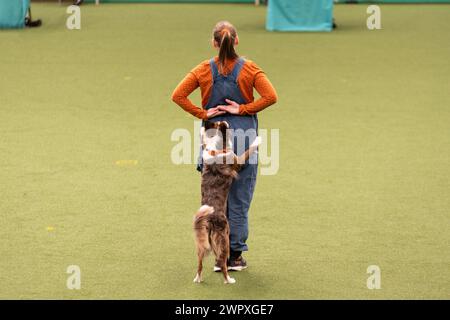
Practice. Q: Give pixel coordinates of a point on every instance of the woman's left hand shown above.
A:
(232, 107)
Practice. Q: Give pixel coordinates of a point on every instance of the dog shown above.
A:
(220, 167)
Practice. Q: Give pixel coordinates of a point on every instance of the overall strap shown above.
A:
(214, 70)
(237, 68)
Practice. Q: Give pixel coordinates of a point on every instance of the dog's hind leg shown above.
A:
(202, 250)
(220, 244)
(201, 237)
(226, 276)
(201, 254)
(222, 260)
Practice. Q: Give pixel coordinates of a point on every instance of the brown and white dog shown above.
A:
(220, 166)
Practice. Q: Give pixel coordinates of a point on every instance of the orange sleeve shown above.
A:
(181, 93)
(265, 89)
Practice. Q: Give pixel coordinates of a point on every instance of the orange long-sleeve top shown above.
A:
(251, 76)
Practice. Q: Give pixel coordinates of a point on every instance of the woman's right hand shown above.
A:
(214, 112)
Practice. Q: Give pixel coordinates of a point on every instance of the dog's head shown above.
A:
(216, 140)
(215, 137)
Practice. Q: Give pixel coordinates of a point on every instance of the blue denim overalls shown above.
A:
(241, 192)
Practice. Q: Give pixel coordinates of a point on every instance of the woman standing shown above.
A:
(226, 83)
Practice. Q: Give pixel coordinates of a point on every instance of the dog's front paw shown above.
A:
(257, 141)
(230, 280)
(198, 278)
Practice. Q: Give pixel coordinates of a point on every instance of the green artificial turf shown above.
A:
(364, 175)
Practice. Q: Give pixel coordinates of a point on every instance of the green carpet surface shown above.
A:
(364, 175)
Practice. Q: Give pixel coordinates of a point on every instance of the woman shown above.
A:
(226, 83)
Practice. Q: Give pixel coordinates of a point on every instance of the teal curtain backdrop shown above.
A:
(299, 15)
(12, 13)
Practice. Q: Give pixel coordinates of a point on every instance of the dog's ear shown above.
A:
(209, 125)
(223, 127)
(227, 142)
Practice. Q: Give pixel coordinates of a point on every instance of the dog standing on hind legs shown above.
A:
(220, 168)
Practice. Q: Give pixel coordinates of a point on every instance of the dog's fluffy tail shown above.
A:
(201, 227)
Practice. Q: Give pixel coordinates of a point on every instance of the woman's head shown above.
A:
(225, 38)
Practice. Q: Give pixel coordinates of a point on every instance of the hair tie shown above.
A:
(225, 30)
